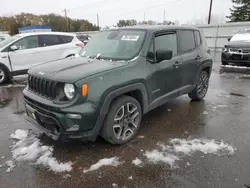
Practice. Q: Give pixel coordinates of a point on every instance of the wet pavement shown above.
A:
(223, 115)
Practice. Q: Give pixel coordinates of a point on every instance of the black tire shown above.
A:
(196, 95)
(224, 63)
(109, 129)
(3, 75)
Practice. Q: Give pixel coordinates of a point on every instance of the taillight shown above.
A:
(80, 45)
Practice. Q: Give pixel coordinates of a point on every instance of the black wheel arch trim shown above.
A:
(128, 88)
(6, 68)
(203, 66)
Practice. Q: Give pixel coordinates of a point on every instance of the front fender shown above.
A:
(128, 88)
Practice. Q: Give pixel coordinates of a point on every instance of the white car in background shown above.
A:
(3, 36)
(20, 52)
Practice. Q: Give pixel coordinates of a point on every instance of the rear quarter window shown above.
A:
(66, 39)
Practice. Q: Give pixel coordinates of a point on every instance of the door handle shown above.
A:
(198, 57)
(177, 64)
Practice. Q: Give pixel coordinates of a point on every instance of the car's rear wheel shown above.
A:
(201, 88)
(3, 75)
(122, 121)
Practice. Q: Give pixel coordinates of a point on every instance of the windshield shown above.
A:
(243, 35)
(114, 45)
(8, 40)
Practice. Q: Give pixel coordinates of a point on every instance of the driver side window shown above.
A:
(167, 41)
(27, 43)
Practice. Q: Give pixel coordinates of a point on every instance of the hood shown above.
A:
(72, 69)
(238, 44)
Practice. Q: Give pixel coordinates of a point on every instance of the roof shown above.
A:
(34, 27)
(46, 33)
(157, 27)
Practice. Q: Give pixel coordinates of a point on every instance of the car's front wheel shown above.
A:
(122, 121)
(224, 63)
(201, 88)
(3, 75)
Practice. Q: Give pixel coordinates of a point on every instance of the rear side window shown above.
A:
(66, 39)
(167, 41)
(197, 38)
(187, 42)
(50, 40)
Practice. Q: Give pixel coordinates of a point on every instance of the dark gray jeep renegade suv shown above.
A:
(120, 75)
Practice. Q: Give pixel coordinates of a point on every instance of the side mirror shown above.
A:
(229, 39)
(162, 54)
(14, 48)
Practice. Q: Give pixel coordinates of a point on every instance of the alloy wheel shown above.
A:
(126, 121)
(203, 85)
(2, 75)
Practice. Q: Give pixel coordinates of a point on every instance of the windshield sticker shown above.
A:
(130, 37)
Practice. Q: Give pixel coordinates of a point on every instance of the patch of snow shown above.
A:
(158, 156)
(2, 157)
(137, 162)
(141, 137)
(171, 153)
(130, 178)
(205, 113)
(114, 185)
(186, 132)
(205, 146)
(188, 164)
(67, 176)
(222, 106)
(1, 166)
(236, 67)
(29, 148)
(10, 165)
(19, 134)
(169, 110)
(114, 161)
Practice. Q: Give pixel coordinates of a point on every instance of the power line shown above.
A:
(87, 4)
(152, 7)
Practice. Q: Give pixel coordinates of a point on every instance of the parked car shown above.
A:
(237, 51)
(20, 52)
(3, 36)
(119, 76)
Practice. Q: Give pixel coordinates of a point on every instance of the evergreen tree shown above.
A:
(240, 11)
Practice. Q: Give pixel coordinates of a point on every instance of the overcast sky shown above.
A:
(110, 11)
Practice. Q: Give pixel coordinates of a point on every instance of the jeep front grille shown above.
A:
(42, 86)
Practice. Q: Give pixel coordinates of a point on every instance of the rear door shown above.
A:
(164, 80)
(27, 55)
(191, 57)
(52, 47)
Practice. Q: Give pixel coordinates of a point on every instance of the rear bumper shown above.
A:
(235, 58)
(62, 125)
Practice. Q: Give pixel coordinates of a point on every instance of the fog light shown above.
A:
(74, 128)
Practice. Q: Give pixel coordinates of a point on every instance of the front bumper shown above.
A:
(235, 58)
(62, 125)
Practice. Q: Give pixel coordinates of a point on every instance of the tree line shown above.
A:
(56, 22)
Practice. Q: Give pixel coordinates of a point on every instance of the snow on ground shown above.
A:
(114, 161)
(141, 137)
(137, 162)
(130, 177)
(171, 153)
(10, 165)
(236, 67)
(28, 148)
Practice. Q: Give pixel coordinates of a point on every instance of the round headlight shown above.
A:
(69, 90)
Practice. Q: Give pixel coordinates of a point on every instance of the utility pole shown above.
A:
(210, 11)
(97, 17)
(66, 17)
(164, 16)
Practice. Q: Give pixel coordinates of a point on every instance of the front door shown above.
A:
(27, 55)
(164, 80)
